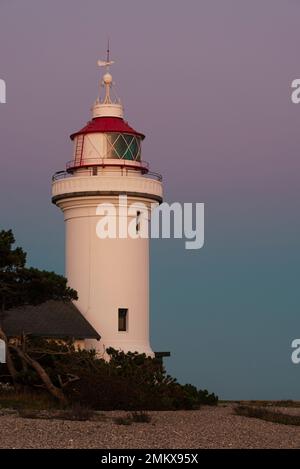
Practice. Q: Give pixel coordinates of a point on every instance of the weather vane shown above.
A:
(106, 63)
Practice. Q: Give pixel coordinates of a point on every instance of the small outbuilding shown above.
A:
(51, 320)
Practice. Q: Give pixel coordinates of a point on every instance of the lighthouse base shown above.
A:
(91, 344)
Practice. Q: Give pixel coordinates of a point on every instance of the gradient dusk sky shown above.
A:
(209, 83)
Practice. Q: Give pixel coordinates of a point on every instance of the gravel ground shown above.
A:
(208, 427)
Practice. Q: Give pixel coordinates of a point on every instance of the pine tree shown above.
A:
(20, 285)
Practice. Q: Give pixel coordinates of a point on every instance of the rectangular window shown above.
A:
(123, 319)
(95, 171)
(137, 227)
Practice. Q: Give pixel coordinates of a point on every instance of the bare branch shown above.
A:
(56, 392)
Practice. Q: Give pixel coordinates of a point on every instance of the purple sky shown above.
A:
(208, 82)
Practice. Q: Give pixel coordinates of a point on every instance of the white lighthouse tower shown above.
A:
(110, 275)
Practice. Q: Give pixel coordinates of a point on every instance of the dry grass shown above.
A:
(40, 406)
(283, 403)
(267, 414)
(26, 400)
(75, 413)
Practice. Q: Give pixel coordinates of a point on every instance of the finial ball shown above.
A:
(107, 79)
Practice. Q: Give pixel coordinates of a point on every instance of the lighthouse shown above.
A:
(110, 274)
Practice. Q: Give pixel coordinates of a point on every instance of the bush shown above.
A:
(133, 417)
(206, 398)
(131, 382)
(123, 420)
(140, 417)
(128, 381)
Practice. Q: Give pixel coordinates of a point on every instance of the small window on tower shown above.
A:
(94, 171)
(123, 318)
(138, 226)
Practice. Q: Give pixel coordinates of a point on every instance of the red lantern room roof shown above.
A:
(107, 124)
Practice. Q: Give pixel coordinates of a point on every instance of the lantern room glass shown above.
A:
(91, 148)
(124, 146)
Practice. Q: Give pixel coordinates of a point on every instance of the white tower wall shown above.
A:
(108, 274)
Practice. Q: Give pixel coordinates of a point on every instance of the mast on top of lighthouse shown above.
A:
(107, 107)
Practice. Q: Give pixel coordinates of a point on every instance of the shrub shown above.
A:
(133, 417)
(132, 382)
(128, 381)
(206, 398)
(140, 417)
(123, 421)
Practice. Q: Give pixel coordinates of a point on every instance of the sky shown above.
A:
(209, 83)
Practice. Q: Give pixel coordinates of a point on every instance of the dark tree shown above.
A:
(20, 285)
